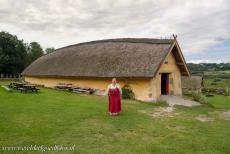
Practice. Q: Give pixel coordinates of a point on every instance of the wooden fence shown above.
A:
(192, 83)
(10, 76)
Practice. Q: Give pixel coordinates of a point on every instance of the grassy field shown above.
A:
(216, 78)
(53, 117)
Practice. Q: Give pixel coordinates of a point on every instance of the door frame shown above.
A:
(167, 87)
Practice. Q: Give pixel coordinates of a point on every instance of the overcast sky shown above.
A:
(202, 26)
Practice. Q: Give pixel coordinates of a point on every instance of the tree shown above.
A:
(49, 50)
(13, 54)
(34, 51)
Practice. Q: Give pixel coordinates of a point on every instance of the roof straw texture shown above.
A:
(105, 58)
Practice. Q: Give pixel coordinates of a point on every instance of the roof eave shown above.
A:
(182, 56)
(174, 43)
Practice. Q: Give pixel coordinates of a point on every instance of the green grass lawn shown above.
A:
(53, 117)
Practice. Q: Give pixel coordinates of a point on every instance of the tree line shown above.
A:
(16, 55)
(202, 67)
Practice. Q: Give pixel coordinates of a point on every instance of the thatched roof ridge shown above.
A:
(127, 40)
(125, 57)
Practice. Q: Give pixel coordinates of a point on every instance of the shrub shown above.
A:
(214, 84)
(208, 90)
(220, 91)
(216, 80)
(187, 93)
(127, 92)
(199, 97)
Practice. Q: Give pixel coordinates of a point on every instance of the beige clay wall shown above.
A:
(140, 86)
(174, 78)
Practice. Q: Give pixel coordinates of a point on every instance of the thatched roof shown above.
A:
(105, 58)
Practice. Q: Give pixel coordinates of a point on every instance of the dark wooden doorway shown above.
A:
(164, 83)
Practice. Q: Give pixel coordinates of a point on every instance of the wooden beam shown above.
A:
(180, 63)
(184, 73)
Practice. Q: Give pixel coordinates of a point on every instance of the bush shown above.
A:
(220, 91)
(216, 80)
(199, 97)
(187, 93)
(208, 90)
(127, 92)
(214, 84)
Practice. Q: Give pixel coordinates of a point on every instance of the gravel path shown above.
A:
(177, 100)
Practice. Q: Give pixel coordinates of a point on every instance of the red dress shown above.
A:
(114, 100)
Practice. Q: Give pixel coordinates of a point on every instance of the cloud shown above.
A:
(199, 24)
(211, 60)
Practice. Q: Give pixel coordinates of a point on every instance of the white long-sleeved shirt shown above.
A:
(111, 86)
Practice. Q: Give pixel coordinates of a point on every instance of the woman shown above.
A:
(114, 93)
